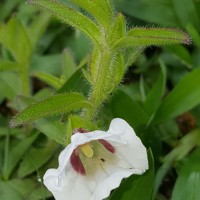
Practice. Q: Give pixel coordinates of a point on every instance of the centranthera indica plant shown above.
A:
(96, 161)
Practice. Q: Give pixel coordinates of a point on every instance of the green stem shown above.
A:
(99, 92)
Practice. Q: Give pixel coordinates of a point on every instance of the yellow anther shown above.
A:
(87, 150)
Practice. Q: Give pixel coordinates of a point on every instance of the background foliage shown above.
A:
(159, 97)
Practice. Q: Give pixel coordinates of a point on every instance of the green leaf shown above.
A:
(68, 64)
(194, 34)
(137, 186)
(79, 122)
(153, 98)
(14, 37)
(118, 30)
(50, 63)
(182, 54)
(152, 36)
(107, 6)
(185, 146)
(9, 193)
(23, 187)
(70, 16)
(187, 184)
(154, 11)
(182, 98)
(29, 189)
(32, 162)
(39, 193)
(74, 121)
(92, 7)
(9, 86)
(48, 79)
(53, 129)
(7, 7)
(76, 83)
(8, 65)
(125, 107)
(57, 104)
(38, 27)
(6, 130)
(80, 45)
(186, 14)
(16, 153)
(131, 55)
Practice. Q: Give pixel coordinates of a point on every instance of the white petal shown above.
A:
(69, 186)
(134, 152)
(110, 182)
(65, 156)
(51, 179)
(119, 126)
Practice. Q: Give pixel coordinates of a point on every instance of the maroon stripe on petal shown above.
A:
(76, 163)
(107, 145)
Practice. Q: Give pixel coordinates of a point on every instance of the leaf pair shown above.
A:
(103, 12)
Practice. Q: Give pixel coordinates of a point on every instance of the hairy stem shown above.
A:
(100, 89)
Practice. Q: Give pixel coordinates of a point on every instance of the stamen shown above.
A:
(87, 150)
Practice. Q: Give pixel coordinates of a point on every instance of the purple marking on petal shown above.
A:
(107, 145)
(76, 163)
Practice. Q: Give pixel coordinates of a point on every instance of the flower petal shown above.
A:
(69, 186)
(130, 157)
(133, 152)
(110, 182)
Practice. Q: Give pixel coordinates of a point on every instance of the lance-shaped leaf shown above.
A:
(154, 96)
(187, 184)
(152, 36)
(53, 129)
(16, 153)
(58, 104)
(93, 8)
(38, 27)
(69, 16)
(14, 37)
(69, 65)
(8, 65)
(118, 30)
(106, 5)
(185, 96)
(32, 162)
(49, 79)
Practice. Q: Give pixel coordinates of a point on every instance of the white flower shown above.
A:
(94, 163)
